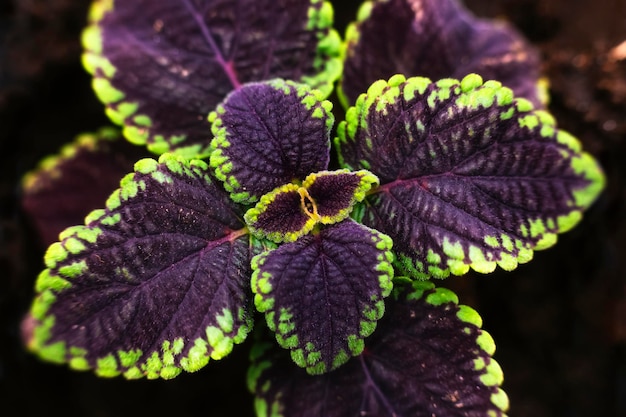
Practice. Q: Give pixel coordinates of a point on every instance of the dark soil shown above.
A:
(559, 322)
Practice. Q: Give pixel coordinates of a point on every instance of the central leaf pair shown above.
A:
(291, 211)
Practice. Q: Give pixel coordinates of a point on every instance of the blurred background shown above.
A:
(559, 322)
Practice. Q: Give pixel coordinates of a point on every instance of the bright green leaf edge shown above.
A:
(351, 37)
(327, 62)
(491, 374)
(49, 166)
(136, 126)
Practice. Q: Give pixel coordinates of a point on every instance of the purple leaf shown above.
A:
(267, 135)
(435, 39)
(429, 357)
(64, 188)
(281, 216)
(334, 193)
(291, 211)
(470, 176)
(154, 284)
(323, 294)
(161, 67)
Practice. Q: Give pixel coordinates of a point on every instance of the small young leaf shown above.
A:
(267, 135)
(334, 193)
(65, 187)
(435, 39)
(161, 67)
(280, 215)
(428, 357)
(470, 176)
(154, 284)
(323, 294)
(291, 211)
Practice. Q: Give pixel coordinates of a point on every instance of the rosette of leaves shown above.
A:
(161, 67)
(159, 280)
(247, 211)
(435, 39)
(459, 174)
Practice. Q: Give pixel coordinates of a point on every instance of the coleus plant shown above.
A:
(246, 209)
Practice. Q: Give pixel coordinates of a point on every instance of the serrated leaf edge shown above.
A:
(49, 166)
(491, 375)
(473, 92)
(73, 240)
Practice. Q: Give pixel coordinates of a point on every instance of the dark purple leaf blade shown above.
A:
(470, 177)
(429, 357)
(65, 187)
(161, 67)
(156, 283)
(435, 39)
(269, 134)
(323, 293)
